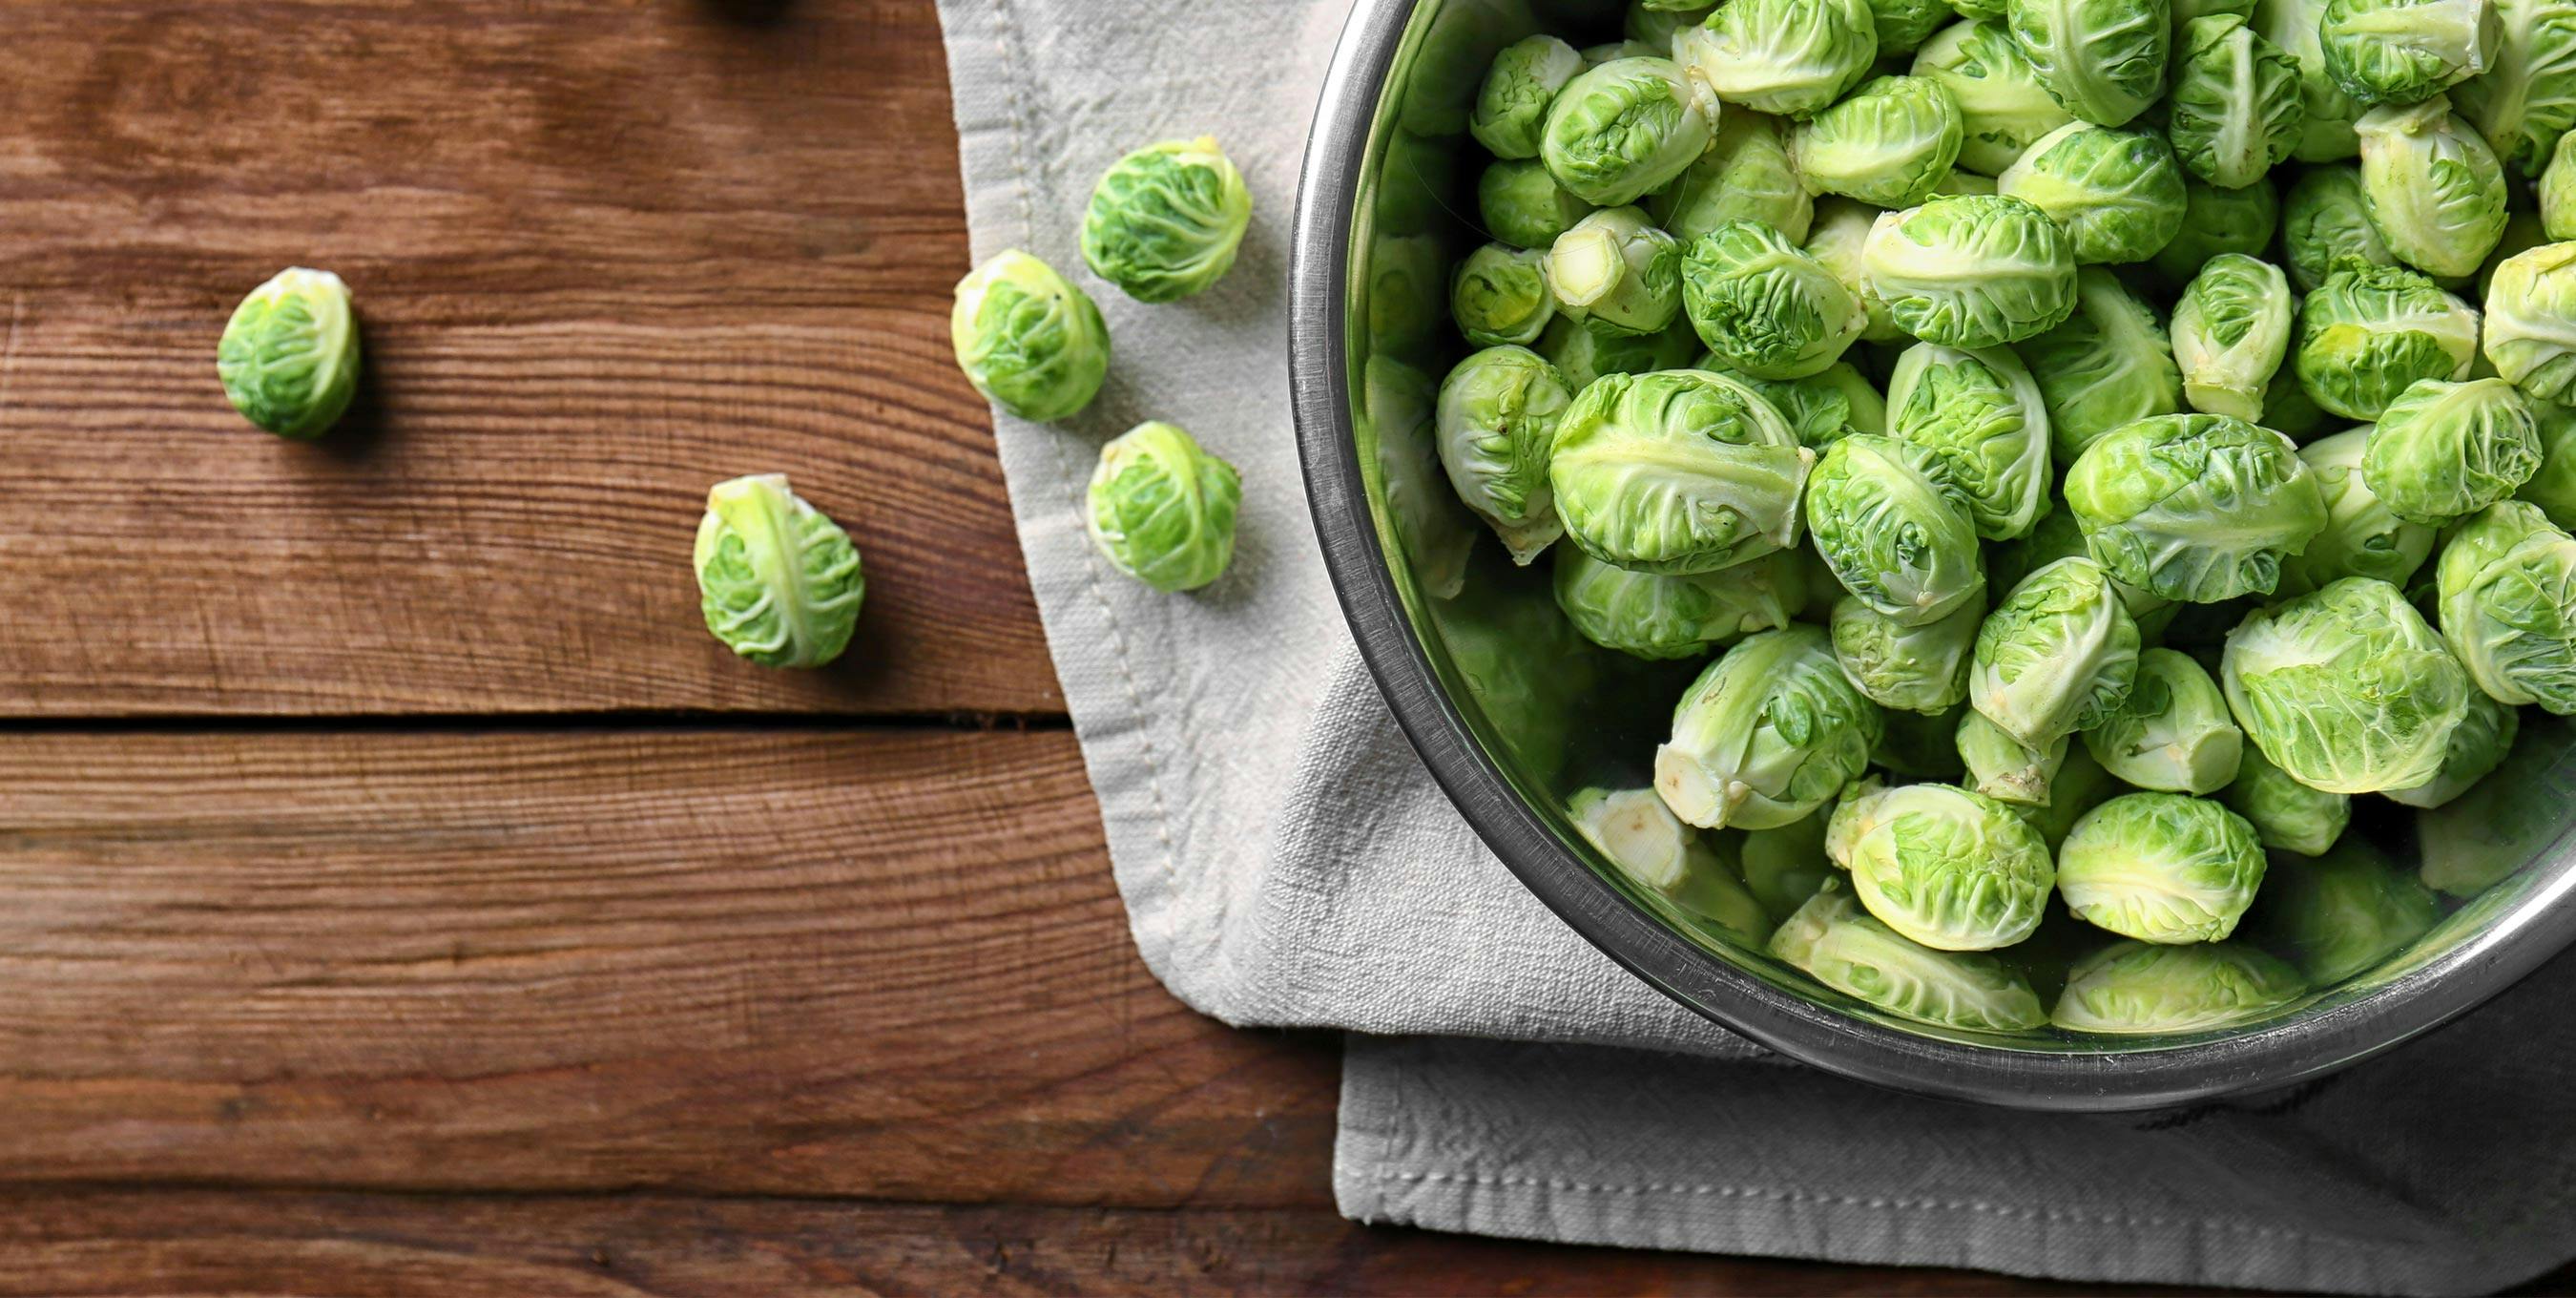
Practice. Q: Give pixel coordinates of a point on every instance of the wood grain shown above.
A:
(606, 253)
(104, 1242)
(885, 963)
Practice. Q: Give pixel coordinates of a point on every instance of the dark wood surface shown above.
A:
(399, 892)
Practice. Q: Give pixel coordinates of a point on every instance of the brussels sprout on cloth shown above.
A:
(2444, 450)
(2507, 584)
(2431, 187)
(1677, 471)
(1971, 271)
(1947, 868)
(1920, 668)
(289, 356)
(1495, 422)
(2056, 656)
(1030, 341)
(1511, 103)
(2345, 688)
(1764, 306)
(779, 583)
(2116, 192)
(1161, 509)
(1625, 129)
(2371, 332)
(2161, 868)
(1167, 220)
(2231, 331)
(2235, 111)
(1834, 941)
(2195, 508)
(2173, 732)
(1790, 58)
(1895, 529)
(1769, 732)
(2003, 109)
(2108, 365)
(1616, 272)
(2142, 988)
(1657, 617)
(2287, 815)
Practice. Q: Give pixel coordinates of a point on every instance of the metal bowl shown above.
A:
(1512, 713)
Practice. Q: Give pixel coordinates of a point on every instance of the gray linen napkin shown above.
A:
(1285, 860)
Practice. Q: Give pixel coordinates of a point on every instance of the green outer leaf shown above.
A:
(1676, 471)
(1767, 734)
(2235, 110)
(289, 357)
(2056, 656)
(1944, 867)
(1622, 130)
(1972, 271)
(1028, 339)
(2161, 867)
(2195, 508)
(2138, 988)
(1166, 220)
(2105, 60)
(779, 582)
(1835, 942)
(1764, 306)
(1162, 509)
(2345, 688)
(2508, 608)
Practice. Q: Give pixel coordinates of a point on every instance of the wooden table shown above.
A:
(399, 891)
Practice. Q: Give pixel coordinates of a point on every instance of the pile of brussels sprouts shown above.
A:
(2097, 441)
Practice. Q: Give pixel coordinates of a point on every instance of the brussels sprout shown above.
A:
(1028, 340)
(1842, 227)
(1920, 746)
(2142, 989)
(1824, 407)
(2287, 815)
(2236, 110)
(1511, 105)
(2522, 233)
(1499, 295)
(1785, 866)
(1745, 176)
(2496, 828)
(2056, 656)
(2526, 101)
(2002, 767)
(1625, 129)
(1655, 617)
(2508, 605)
(2161, 868)
(2477, 747)
(1162, 509)
(1166, 220)
(1763, 306)
(1971, 271)
(2369, 333)
(1616, 272)
(2327, 111)
(1890, 143)
(1767, 734)
(778, 581)
(2196, 508)
(2432, 188)
(2362, 538)
(2108, 365)
(2230, 332)
(2002, 107)
(2346, 914)
(2345, 688)
(1832, 940)
(2116, 193)
(2445, 450)
(2172, 734)
(2405, 51)
(1677, 471)
(1582, 353)
(1635, 831)
(1920, 668)
(1950, 869)
(1895, 531)
(289, 356)
(1523, 206)
(2104, 59)
(2553, 488)
(1654, 23)
(2217, 221)
(2325, 227)
(1787, 57)
(1903, 25)
(1496, 419)
(2558, 191)
(2531, 322)
(1981, 414)
(2059, 536)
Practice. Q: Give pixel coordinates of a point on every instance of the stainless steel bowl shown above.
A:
(1513, 714)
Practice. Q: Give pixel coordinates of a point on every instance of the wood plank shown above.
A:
(606, 254)
(882, 963)
(85, 1241)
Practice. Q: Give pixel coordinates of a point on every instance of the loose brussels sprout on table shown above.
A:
(1496, 419)
(1791, 58)
(1891, 143)
(1028, 340)
(1770, 732)
(1162, 510)
(1765, 307)
(289, 356)
(2116, 192)
(1166, 221)
(778, 581)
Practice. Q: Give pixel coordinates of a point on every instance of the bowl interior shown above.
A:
(1542, 714)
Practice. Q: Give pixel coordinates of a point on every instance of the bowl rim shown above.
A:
(2297, 1049)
